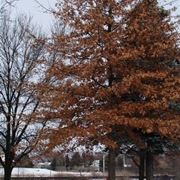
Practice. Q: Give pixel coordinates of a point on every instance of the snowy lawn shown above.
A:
(38, 172)
(30, 172)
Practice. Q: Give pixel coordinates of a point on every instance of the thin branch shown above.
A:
(44, 7)
(10, 3)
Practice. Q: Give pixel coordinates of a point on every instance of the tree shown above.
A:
(116, 77)
(75, 160)
(21, 51)
(5, 3)
(25, 162)
(87, 159)
(159, 52)
(67, 162)
(53, 164)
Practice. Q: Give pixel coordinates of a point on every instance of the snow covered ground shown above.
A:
(38, 172)
(30, 172)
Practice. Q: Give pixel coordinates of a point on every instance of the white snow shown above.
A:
(30, 172)
(38, 172)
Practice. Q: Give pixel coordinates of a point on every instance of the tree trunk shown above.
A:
(7, 172)
(149, 165)
(111, 164)
(8, 164)
(141, 164)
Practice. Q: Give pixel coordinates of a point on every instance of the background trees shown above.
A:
(21, 50)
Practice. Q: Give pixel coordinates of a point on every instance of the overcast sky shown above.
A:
(32, 8)
(45, 20)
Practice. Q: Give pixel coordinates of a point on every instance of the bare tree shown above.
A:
(5, 3)
(21, 50)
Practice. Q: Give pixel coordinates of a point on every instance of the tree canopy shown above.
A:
(115, 69)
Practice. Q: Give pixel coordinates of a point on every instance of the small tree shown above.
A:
(53, 164)
(75, 160)
(25, 162)
(20, 53)
(67, 162)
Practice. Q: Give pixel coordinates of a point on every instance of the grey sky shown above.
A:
(30, 7)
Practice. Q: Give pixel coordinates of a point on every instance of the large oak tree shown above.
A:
(116, 74)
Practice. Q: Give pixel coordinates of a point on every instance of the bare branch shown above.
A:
(21, 50)
(46, 9)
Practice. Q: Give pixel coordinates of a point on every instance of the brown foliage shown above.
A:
(115, 69)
